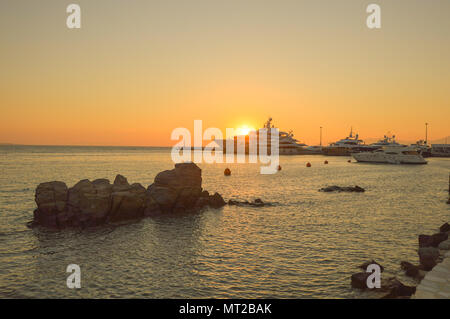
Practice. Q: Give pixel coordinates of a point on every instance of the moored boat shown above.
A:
(391, 155)
(347, 146)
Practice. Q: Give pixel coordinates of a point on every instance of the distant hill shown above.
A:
(6, 144)
(444, 140)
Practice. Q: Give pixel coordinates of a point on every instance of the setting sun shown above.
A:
(244, 130)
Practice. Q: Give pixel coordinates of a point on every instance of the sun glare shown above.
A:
(244, 130)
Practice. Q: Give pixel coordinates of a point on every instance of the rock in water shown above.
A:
(51, 199)
(399, 290)
(342, 189)
(433, 240)
(445, 227)
(366, 264)
(410, 269)
(428, 257)
(94, 203)
(256, 203)
(359, 280)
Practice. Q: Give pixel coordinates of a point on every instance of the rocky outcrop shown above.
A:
(359, 280)
(412, 270)
(94, 203)
(444, 228)
(366, 264)
(342, 189)
(428, 257)
(433, 240)
(256, 203)
(398, 289)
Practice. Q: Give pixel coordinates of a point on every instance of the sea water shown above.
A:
(306, 245)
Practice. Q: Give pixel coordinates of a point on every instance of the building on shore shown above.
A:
(440, 150)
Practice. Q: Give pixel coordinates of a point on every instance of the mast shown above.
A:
(321, 136)
(426, 133)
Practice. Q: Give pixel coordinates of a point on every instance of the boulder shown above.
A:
(184, 175)
(256, 203)
(129, 204)
(342, 189)
(51, 197)
(359, 280)
(410, 269)
(177, 190)
(51, 201)
(398, 289)
(445, 245)
(94, 203)
(367, 263)
(216, 201)
(428, 257)
(433, 240)
(444, 228)
(88, 203)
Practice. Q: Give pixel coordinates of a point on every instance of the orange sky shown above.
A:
(138, 69)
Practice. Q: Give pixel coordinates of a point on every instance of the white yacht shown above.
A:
(423, 148)
(391, 155)
(387, 141)
(347, 146)
(288, 145)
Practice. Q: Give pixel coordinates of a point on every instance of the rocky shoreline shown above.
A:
(90, 204)
(432, 249)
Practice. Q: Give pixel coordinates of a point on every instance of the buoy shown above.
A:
(349, 161)
(279, 167)
(308, 164)
(227, 172)
(326, 162)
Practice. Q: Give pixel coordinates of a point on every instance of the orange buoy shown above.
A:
(227, 172)
(326, 162)
(308, 164)
(279, 167)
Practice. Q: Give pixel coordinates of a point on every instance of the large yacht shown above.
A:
(347, 146)
(423, 148)
(387, 141)
(391, 155)
(288, 145)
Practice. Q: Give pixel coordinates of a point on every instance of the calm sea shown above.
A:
(306, 246)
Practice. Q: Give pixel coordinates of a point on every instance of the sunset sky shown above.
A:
(136, 70)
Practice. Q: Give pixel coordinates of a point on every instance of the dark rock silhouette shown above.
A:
(444, 228)
(94, 203)
(411, 270)
(342, 189)
(366, 264)
(428, 257)
(359, 280)
(433, 240)
(398, 289)
(256, 203)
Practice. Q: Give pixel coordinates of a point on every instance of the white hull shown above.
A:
(372, 157)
